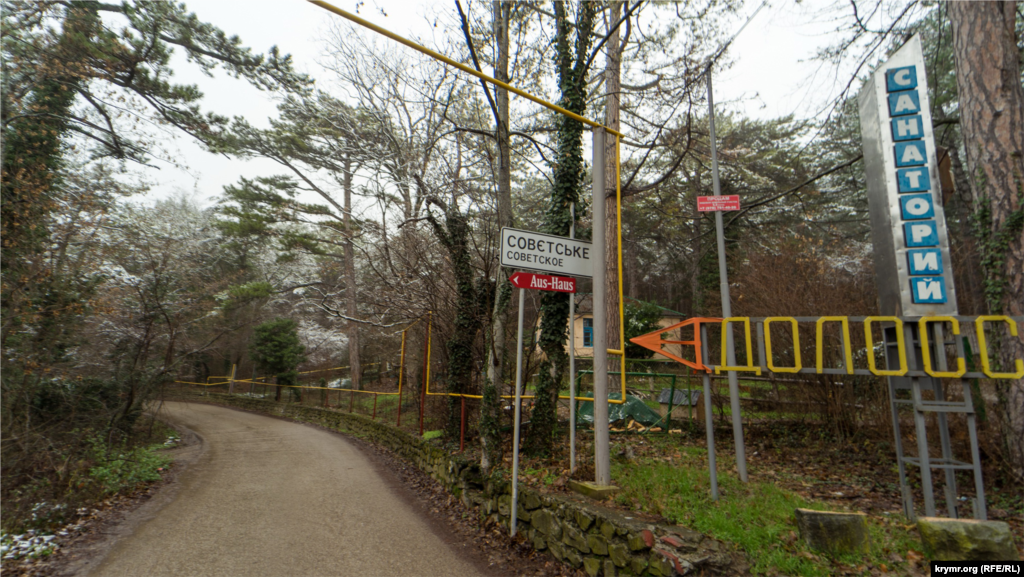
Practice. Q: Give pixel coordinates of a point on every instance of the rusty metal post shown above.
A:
(426, 375)
(374, 417)
(401, 373)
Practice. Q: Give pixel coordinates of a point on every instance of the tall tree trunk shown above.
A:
(612, 88)
(490, 436)
(571, 58)
(960, 204)
(351, 293)
(992, 120)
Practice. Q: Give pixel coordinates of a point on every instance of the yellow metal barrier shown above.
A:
(986, 367)
(750, 367)
(768, 345)
(926, 354)
(871, 347)
(819, 343)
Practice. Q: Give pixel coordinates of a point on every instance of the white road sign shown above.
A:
(545, 253)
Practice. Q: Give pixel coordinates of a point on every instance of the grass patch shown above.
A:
(757, 516)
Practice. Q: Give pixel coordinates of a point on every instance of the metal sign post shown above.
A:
(653, 341)
(602, 464)
(709, 427)
(730, 349)
(518, 414)
(572, 357)
(526, 281)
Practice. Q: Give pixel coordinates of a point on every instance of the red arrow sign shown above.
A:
(718, 203)
(544, 282)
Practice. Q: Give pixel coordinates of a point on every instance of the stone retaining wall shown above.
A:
(574, 530)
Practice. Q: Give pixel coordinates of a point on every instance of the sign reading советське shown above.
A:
(545, 253)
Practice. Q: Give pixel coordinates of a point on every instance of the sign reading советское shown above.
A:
(545, 252)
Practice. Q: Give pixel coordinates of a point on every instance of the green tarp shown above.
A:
(633, 408)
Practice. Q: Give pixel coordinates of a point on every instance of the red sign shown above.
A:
(544, 282)
(718, 203)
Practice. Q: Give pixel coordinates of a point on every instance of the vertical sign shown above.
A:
(908, 226)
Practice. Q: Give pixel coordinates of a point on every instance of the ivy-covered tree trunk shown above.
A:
(988, 71)
(454, 235)
(490, 405)
(33, 152)
(571, 58)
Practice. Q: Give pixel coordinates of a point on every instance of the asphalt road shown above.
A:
(273, 498)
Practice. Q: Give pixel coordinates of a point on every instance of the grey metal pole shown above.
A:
(709, 426)
(723, 275)
(602, 464)
(518, 413)
(572, 357)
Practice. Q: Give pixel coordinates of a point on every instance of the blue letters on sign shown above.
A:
(907, 128)
(924, 261)
(900, 79)
(921, 234)
(913, 179)
(928, 289)
(903, 103)
(916, 206)
(911, 153)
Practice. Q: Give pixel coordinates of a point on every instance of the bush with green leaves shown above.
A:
(120, 468)
(641, 317)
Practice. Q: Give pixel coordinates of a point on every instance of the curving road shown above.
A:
(274, 498)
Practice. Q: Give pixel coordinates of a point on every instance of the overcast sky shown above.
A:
(772, 73)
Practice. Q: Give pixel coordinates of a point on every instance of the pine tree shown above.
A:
(276, 350)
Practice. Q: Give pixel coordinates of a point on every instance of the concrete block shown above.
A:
(833, 533)
(966, 540)
(593, 490)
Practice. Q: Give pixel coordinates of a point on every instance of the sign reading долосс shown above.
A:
(545, 253)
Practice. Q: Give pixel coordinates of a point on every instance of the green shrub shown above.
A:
(121, 469)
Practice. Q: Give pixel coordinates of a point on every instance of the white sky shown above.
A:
(772, 73)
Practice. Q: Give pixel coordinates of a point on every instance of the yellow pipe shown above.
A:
(459, 65)
(622, 304)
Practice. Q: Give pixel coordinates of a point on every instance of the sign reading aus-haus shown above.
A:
(545, 253)
(908, 226)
